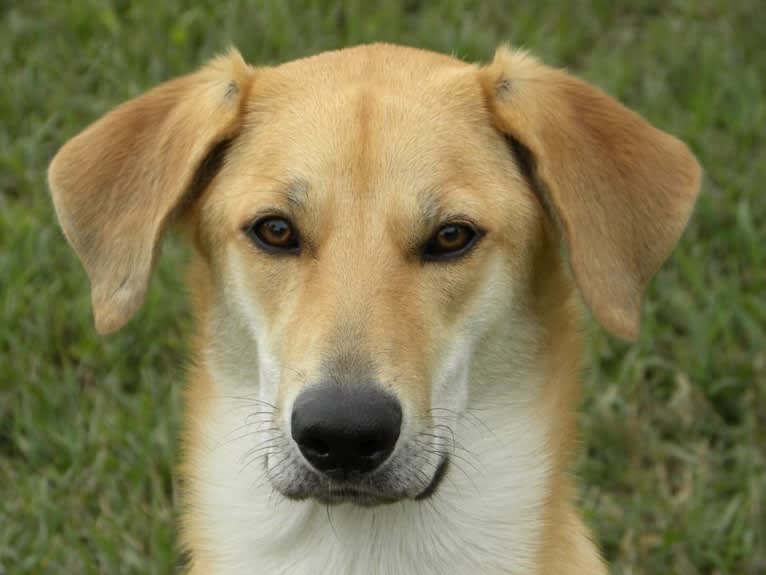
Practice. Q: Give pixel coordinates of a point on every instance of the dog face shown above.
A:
(366, 252)
(374, 225)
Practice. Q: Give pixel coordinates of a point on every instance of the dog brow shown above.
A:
(429, 205)
(296, 191)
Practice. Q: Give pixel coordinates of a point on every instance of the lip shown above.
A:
(328, 492)
(361, 498)
(436, 481)
(337, 494)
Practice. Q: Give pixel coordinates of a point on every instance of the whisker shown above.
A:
(278, 470)
(261, 451)
(468, 415)
(428, 449)
(251, 399)
(329, 519)
(245, 436)
(256, 452)
(455, 444)
(244, 425)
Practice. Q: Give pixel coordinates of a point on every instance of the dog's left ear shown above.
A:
(620, 190)
(116, 185)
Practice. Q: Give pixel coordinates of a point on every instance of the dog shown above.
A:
(391, 247)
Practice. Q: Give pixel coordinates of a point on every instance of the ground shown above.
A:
(672, 468)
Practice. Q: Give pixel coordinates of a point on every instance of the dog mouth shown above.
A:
(436, 481)
(336, 495)
(365, 492)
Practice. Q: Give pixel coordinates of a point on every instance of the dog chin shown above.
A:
(382, 488)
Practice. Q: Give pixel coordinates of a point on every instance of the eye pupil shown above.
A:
(450, 234)
(277, 228)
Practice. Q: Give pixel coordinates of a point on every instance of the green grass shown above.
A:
(673, 468)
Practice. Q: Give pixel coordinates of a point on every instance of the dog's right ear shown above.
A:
(116, 184)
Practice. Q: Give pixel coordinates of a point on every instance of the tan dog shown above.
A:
(385, 374)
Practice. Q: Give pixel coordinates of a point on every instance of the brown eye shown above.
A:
(274, 234)
(451, 241)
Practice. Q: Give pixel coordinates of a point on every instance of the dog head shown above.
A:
(375, 225)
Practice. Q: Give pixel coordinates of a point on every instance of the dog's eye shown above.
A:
(451, 241)
(274, 234)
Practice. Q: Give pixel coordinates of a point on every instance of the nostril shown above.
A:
(316, 445)
(370, 448)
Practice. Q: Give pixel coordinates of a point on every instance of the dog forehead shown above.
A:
(386, 63)
(371, 105)
(380, 83)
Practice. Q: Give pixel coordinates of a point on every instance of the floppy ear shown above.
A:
(116, 184)
(620, 190)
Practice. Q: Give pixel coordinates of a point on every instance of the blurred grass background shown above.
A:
(673, 466)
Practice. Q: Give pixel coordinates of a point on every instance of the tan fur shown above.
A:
(116, 184)
(369, 149)
(621, 189)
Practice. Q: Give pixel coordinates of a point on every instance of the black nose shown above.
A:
(346, 429)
